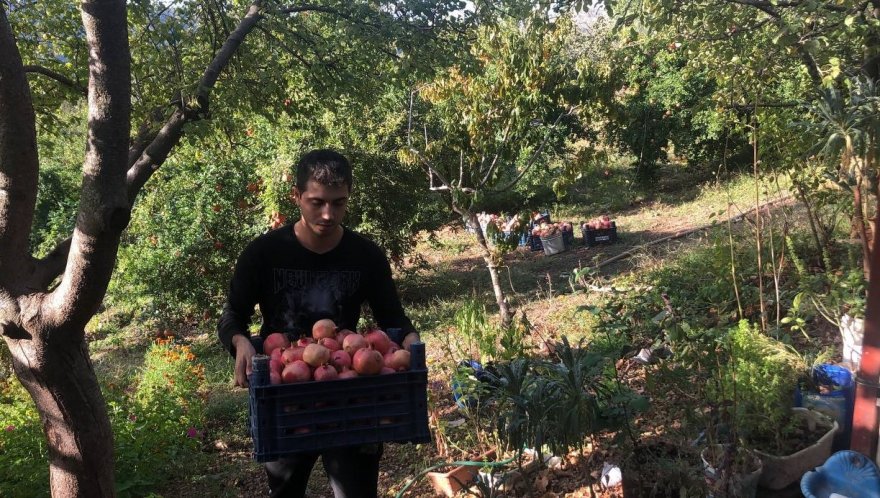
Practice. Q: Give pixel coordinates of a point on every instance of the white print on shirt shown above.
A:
(305, 296)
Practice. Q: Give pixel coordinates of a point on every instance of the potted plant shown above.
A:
(760, 380)
(731, 470)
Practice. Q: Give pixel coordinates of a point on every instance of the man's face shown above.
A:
(322, 206)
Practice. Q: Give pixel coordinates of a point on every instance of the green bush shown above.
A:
(23, 468)
(160, 426)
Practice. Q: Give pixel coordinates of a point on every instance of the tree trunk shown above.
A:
(489, 259)
(63, 385)
(44, 324)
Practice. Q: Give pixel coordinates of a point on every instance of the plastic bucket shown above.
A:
(835, 399)
(852, 331)
(553, 244)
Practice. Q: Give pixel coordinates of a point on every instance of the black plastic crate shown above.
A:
(593, 237)
(568, 238)
(312, 416)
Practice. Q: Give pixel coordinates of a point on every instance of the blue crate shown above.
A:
(286, 419)
(535, 243)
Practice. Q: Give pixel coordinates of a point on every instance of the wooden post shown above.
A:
(864, 434)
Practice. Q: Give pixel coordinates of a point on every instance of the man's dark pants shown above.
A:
(353, 472)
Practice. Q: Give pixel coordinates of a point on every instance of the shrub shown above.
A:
(23, 468)
(161, 425)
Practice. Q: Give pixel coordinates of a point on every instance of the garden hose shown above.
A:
(465, 463)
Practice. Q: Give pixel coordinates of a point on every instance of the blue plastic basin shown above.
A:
(845, 473)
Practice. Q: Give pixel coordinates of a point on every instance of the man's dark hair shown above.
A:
(324, 166)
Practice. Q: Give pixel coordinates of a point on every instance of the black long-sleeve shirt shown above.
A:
(296, 287)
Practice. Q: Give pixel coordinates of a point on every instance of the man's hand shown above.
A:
(409, 340)
(244, 353)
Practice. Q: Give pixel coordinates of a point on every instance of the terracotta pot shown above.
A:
(450, 483)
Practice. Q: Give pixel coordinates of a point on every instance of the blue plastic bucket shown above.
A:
(835, 399)
(463, 398)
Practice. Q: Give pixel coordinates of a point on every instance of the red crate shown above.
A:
(312, 416)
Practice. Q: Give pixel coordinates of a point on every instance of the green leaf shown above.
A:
(849, 20)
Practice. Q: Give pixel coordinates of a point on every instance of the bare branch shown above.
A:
(19, 163)
(60, 78)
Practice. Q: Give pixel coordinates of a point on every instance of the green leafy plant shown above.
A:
(756, 388)
(556, 403)
(161, 425)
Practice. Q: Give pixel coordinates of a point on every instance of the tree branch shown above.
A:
(19, 162)
(47, 269)
(60, 78)
(536, 154)
(157, 151)
(325, 10)
(761, 4)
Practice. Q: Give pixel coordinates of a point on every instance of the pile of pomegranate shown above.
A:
(550, 229)
(602, 222)
(331, 354)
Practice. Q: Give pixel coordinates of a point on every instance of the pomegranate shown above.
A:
(399, 360)
(340, 359)
(329, 343)
(316, 355)
(347, 373)
(290, 355)
(367, 361)
(386, 358)
(323, 328)
(409, 340)
(276, 366)
(297, 371)
(305, 341)
(353, 343)
(342, 334)
(274, 378)
(274, 341)
(379, 340)
(325, 372)
(387, 370)
(276, 354)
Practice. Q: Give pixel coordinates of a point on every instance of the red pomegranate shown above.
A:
(297, 371)
(367, 361)
(379, 340)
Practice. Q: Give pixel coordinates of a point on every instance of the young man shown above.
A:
(299, 274)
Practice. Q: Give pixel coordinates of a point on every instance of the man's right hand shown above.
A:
(244, 353)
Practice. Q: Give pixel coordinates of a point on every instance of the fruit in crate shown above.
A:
(600, 223)
(367, 361)
(275, 341)
(550, 229)
(347, 354)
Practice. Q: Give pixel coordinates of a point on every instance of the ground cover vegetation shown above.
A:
(741, 134)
